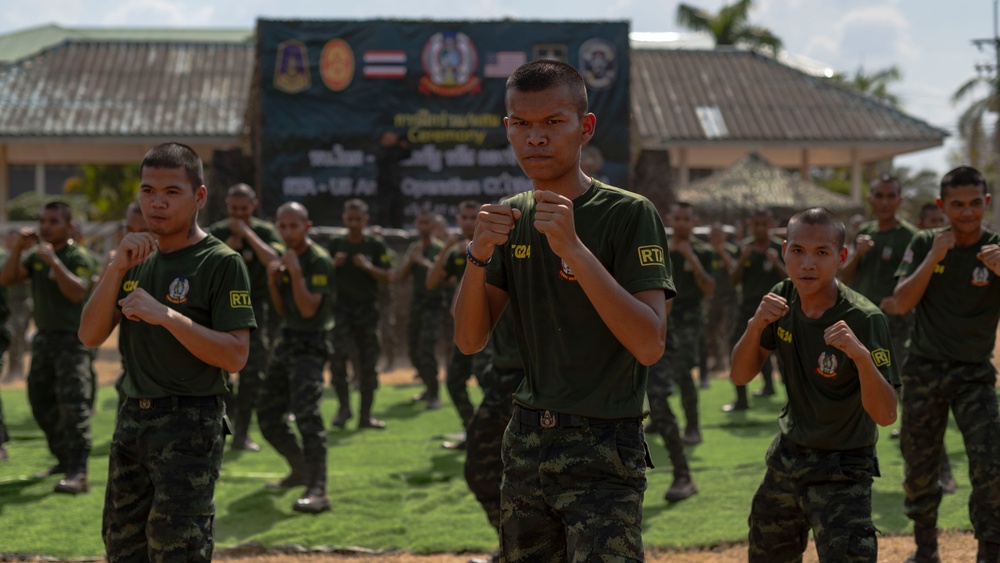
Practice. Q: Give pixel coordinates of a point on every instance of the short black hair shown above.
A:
(355, 205)
(888, 179)
(62, 207)
(683, 205)
(540, 75)
(176, 155)
(762, 212)
(241, 190)
(469, 204)
(820, 216)
(962, 176)
(927, 208)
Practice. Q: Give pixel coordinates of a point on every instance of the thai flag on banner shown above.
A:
(384, 64)
(501, 64)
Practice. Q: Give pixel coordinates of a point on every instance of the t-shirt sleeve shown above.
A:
(83, 265)
(769, 338)
(914, 254)
(880, 345)
(231, 308)
(272, 238)
(641, 249)
(496, 270)
(321, 275)
(28, 260)
(380, 255)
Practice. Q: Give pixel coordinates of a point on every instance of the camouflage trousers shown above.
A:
(827, 491)
(572, 494)
(684, 335)
(242, 400)
(719, 323)
(163, 465)
(294, 384)
(456, 379)
(355, 326)
(61, 394)
(4, 344)
(484, 438)
(930, 388)
(659, 387)
(422, 334)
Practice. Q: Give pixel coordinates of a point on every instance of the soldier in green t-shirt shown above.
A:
(360, 261)
(426, 305)
(60, 380)
(450, 265)
(950, 276)
(758, 268)
(582, 265)
(259, 244)
(301, 286)
(4, 343)
(840, 374)
(183, 300)
(721, 315)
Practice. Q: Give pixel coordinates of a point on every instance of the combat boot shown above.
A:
(682, 488)
(313, 501)
(927, 545)
(73, 484)
(988, 552)
(366, 420)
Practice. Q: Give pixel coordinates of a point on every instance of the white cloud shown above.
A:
(170, 14)
(878, 34)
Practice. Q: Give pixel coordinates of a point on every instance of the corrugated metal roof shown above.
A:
(128, 89)
(759, 100)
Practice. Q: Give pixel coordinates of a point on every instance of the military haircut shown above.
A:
(469, 204)
(926, 209)
(819, 216)
(540, 75)
(176, 155)
(355, 205)
(62, 207)
(962, 176)
(293, 207)
(888, 179)
(241, 190)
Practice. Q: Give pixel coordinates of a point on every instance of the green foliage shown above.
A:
(28, 206)
(398, 489)
(108, 187)
(874, 84)
(729, 26)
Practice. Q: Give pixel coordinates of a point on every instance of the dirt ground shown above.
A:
(954, 547)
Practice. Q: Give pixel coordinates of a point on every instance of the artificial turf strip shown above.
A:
(398, 489)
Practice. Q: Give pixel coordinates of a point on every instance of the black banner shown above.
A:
(358, 108)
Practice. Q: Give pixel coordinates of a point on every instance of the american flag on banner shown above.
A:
(501, 64)
(384, 64)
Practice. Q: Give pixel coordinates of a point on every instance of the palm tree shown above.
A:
(729, 26)
(874, 84)
(973, 128)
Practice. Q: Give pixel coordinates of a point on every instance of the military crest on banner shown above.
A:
(450, 60)
(598, 63)
(291, 70)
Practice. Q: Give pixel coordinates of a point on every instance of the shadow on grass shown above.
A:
(250, 515)
(12, 493)
(404, 410)
(448, 465)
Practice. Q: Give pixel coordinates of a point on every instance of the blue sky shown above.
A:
(929, 41)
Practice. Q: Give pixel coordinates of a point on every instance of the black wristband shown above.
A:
(475, 261)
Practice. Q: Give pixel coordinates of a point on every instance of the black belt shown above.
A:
(549, 419)
(177, 402)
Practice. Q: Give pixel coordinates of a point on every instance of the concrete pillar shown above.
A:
(804, 167)
(855, 176)
(4, 183)
(40, 178)
(683, 171)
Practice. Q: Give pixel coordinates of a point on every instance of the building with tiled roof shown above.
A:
(69, 97)
(709, 108)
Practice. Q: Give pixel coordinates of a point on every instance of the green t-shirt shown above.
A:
(454, 263)
(419, 274)
(759, 275)
(720, 271)
(206, 282)
(4, 307)
(689, 297)
(354, 284)
(573, 363)
(876, 274)
(317, 271)
(505, 354)
(255, 268)
(824, 409)
(53, 311)
(956, 319)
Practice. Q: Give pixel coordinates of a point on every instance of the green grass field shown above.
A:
(398, 489)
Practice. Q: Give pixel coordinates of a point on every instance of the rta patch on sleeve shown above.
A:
(881, 357)
(651, 255)
(239, 300)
